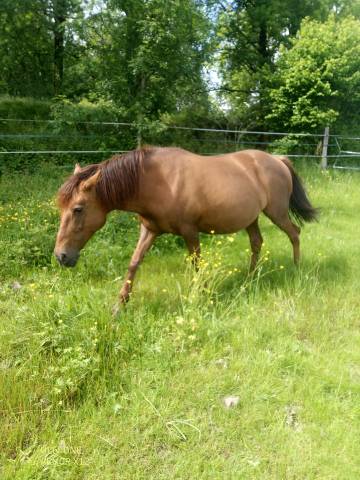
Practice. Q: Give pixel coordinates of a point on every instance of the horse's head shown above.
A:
(82, 214)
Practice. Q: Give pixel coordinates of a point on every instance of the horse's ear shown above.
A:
(77, 169)
(90, 182)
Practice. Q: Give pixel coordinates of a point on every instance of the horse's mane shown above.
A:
(118, 180)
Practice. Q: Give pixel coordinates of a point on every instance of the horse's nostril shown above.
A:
(68, 259)
(61, 257)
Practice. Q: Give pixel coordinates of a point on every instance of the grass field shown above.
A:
(87, 396)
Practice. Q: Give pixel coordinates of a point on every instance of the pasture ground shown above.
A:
(84, 395)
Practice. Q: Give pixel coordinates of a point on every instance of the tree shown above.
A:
(148, 56)
(25, 49)
(318, 79)
(36, 40)
(250, 35)
(59, 14)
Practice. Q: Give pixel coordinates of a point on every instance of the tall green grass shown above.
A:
(84, 395)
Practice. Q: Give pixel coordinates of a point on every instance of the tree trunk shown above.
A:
(60, 16)
(263, 46)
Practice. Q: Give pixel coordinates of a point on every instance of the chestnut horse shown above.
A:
(176, 191)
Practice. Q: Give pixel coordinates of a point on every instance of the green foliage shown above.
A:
(250, 35)
(36, 41)
(25, 62)
(151, 64)
(144, 62)
(89, 126)
(23, 108)
(59, 125)
(96, 126)
(254, 30)
(152, 54)
(318, 77)
(63, 110)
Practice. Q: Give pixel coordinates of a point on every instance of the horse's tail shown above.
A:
(300, 206)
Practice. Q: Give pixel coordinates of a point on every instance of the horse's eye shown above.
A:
(78, 210)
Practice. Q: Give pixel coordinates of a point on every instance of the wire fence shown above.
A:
(24, 141)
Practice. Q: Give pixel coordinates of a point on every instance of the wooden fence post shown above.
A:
(325, 148)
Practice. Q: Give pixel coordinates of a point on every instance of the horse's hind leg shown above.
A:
(256, 242)
(292, 231)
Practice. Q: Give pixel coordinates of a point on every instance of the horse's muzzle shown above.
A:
(66, 259)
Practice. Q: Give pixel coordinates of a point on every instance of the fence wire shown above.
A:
(59, 140)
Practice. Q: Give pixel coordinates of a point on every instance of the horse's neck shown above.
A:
(134, 205)
(120, 184)
(138, 203)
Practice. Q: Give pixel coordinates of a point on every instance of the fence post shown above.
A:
(325, 148)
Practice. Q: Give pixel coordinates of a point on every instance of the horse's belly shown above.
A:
(227, 221)
(234, 210)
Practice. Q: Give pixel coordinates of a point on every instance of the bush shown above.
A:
(71, 127)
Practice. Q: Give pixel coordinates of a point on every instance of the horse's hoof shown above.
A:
(124, 297)
(115, 310)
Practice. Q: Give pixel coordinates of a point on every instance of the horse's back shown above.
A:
(252, 171)
(244, 162)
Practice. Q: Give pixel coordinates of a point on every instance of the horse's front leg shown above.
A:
(191, 238)
(145, 241)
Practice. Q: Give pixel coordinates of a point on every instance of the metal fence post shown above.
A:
(325, 148)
